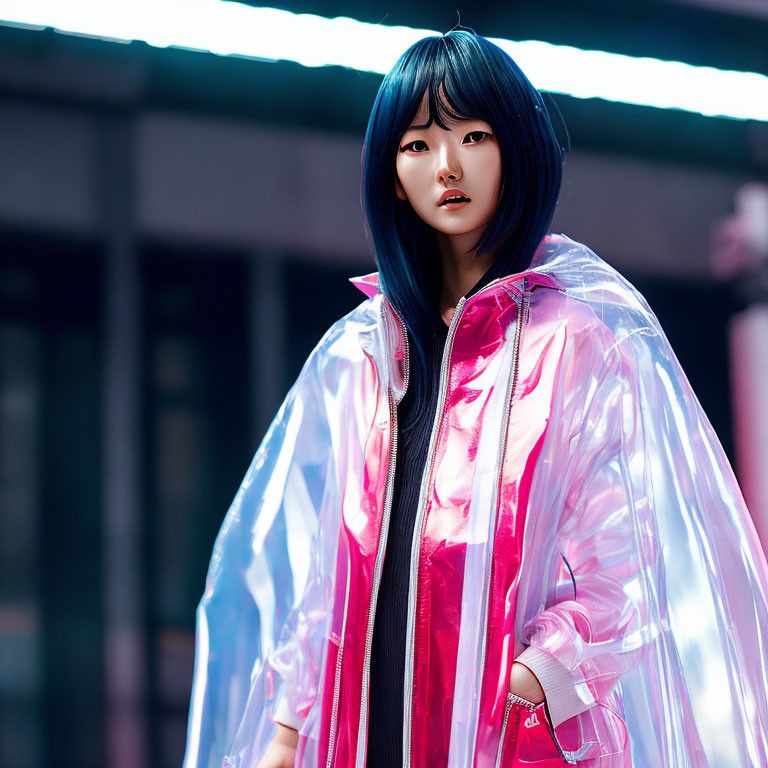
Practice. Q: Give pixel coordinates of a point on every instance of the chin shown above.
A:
(461, 228)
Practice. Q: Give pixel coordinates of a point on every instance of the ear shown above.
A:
(399, 191)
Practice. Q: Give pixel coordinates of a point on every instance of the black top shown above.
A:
(385, 708)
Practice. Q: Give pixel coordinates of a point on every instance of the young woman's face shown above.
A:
(432, 161)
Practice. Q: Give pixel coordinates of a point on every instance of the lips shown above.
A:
(455, 193)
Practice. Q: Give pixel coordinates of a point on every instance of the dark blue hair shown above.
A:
(480, 81)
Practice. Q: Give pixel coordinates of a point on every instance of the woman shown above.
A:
(490, 524)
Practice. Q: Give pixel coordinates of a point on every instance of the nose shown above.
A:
(449, 168)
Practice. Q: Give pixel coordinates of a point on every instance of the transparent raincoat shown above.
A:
(577, 513)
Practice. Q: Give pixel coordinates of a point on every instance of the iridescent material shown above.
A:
(579, 508)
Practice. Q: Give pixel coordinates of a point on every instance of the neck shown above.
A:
(461, 268)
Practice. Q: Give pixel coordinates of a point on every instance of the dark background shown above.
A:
(177, 230)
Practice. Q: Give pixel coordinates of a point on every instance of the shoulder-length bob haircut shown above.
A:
(479, 80)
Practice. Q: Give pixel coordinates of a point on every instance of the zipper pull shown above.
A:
(526, 299)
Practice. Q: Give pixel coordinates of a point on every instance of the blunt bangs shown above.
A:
(466, 77)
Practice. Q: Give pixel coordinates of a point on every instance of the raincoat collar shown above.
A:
(537, 274)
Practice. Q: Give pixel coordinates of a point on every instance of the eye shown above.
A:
(410, 144)
(479, 136)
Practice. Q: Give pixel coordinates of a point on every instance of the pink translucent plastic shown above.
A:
(579, 504)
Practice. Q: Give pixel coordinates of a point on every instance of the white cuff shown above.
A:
(286, 716)
(556, 681)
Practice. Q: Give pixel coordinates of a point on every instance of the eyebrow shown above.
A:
(425, 126)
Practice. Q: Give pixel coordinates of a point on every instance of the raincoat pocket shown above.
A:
(599, 734)
(513, 708)
(527, 738)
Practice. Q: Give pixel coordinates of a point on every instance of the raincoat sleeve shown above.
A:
(658, 643)
(263, 616)
(580, 644)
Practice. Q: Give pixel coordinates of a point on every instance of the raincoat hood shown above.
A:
(577, 513)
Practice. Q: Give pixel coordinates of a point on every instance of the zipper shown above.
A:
(526, 300)
(362, 738)
(335, 707)
(500, 748)
(406, 354)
